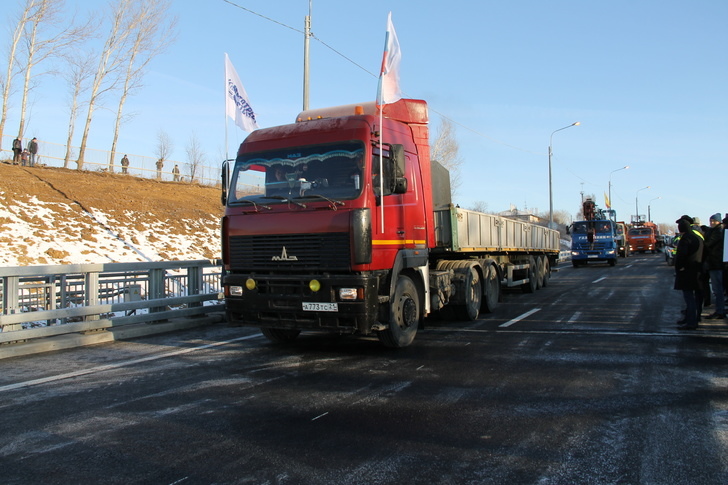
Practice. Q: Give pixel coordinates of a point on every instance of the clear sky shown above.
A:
(647, 80)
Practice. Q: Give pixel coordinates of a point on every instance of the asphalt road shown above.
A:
(586, 381)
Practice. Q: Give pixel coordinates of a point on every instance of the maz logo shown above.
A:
(284, 256)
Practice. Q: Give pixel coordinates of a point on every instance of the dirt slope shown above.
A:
(74, 213)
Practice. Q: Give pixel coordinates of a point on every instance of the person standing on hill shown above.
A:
(17, 150)
(175, 173)
(160, 165)
(124, 164)
(33, 149)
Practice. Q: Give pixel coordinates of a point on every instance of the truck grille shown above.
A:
(290, 252)
(597, 246)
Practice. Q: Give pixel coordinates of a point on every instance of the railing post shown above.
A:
(11, 286)
(156, 287)
(91, 292)
(194, 283)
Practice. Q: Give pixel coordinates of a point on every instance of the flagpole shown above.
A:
(224, 105)
(381, 165)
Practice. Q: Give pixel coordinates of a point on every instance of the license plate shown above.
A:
(593, 256)
(320, 307)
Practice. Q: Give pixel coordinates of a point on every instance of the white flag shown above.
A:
(237, 105)
(388, 90)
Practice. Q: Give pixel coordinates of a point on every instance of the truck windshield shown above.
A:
(600, 227)
(643, 231)
(329, 171)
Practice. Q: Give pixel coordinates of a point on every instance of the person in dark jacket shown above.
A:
(33, 149)
(17, 150)
(714, 262)
(688, 262)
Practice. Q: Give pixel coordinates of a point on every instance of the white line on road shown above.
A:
(519, 318)
(101, 368)
(574, 317)
(600, 279)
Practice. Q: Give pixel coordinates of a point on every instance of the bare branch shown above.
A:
(445, 149)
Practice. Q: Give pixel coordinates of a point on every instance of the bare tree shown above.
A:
(7, 81)
(47, 34)
(165, 145)
(110, 62)
(195, 157)
(445, 149)
(152, 34)
(480, 206)
(79, 69)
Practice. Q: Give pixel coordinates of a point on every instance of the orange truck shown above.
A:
(643, 236)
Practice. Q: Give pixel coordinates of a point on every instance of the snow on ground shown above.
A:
(37, 232)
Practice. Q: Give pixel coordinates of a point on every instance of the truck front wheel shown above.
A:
(404, 315)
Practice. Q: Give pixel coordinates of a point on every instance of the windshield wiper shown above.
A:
(333, 202)
(280, 197)
(254, 204)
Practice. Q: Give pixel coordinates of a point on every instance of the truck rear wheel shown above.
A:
(539, 272)
(492, 289)
(546, 271)
(530, 287)
(473, 296)
(404, 315)
(280, 335)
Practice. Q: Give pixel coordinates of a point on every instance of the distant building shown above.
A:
(523, 215)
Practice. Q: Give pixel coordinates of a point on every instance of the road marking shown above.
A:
(320, 416)
(102, 368)
(519, 318)
(574, 317)
(600, 279)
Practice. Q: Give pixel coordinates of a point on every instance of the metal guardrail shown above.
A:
(43, 301)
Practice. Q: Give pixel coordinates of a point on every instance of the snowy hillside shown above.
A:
(56, 216)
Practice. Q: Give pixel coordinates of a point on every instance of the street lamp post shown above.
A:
(551, 192)
(649, 216)
(636, 205)
(610, 187)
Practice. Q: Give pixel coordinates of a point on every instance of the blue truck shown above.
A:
(595, 238)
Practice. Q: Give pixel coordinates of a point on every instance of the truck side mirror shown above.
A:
(568, 229)
(224, 176)
(398, 158)
(396, 154)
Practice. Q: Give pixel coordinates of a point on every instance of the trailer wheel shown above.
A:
(546, 271)
(492, 289)
(539, 272)
(473, 295)
(530, 287)
(280, 335)
(404, 315)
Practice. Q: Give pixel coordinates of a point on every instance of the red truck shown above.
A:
(338, 223)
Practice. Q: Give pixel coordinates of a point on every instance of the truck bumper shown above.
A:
(289, 301)
(593, 255)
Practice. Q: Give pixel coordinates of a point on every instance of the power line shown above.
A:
(494, 140)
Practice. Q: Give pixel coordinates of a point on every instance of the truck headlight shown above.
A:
(575, 253)
(351, 293)
(235, 290)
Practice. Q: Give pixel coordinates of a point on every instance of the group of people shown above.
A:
(25, 156)
(159, 165)
(700, 269)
